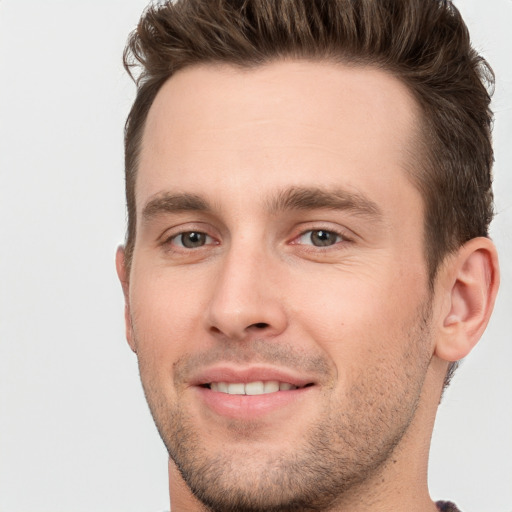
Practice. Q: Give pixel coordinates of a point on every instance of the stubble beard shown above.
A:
(344, 449)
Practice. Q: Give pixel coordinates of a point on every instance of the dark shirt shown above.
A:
(446, 506)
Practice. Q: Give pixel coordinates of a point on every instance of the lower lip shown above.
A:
(250, 406)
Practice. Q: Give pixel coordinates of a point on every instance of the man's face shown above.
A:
(278, 293)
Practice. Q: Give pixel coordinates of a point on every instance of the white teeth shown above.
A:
(237, 388)
(271, 386)
(251, 388)
(255, 388)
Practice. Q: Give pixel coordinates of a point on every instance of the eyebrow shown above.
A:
(173, 203)
(300, 198)
(293, 198)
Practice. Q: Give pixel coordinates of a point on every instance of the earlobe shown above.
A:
(123, 276)
(471, 284)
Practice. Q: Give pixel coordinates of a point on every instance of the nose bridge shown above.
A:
(245, 297)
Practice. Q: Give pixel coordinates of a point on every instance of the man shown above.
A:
(309, 196)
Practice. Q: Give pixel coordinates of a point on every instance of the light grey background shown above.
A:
(75, 432)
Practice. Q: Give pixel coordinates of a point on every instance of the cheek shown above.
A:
(359, 317)
(374, 344)
(166, 314)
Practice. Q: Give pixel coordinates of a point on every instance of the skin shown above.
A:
(307, 264)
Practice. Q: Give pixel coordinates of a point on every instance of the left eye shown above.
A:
(191, 239)
(320, 238)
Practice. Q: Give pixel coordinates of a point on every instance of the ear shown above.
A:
(470, 281)
(123, 276)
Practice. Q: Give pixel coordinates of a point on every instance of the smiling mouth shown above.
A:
(252, 388)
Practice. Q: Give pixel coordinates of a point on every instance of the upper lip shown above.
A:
(232, 374)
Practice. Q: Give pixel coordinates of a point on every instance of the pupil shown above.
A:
(193, 239)
(323, 238)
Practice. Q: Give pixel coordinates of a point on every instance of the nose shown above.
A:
(246, 300)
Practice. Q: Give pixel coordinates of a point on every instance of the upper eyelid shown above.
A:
(341, 235)
(216, 234)
(187, 227)
(335, 231)
(171, 237)
(177, 235)
(342, 231)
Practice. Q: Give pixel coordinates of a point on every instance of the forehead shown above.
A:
(285, 122)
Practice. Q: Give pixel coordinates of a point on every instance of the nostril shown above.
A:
(260, 325)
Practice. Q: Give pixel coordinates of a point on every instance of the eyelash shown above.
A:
(178, 240)
(339, 237)
(208, 240)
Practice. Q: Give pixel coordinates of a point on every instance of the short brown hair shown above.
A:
(424, 43)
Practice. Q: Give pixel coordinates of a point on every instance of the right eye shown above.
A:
(191, 239)
(320, 238)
